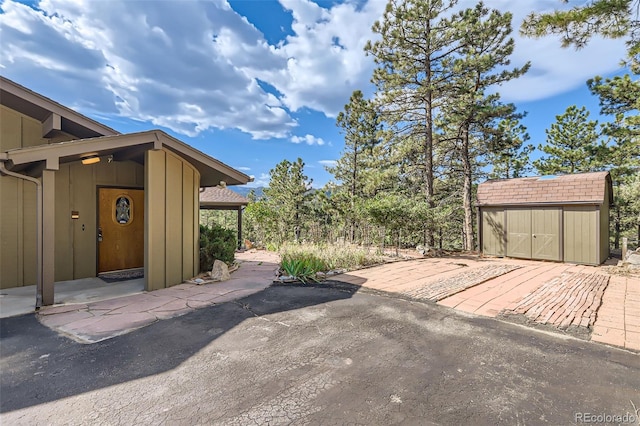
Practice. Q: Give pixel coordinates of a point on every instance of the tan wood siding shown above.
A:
(174, 258)
(493, 231)
(545, 229)
(170, 182)
(155, 221)
(580, 234)
(9, 223)
(64, 237)
(188, 234)
(83, 200)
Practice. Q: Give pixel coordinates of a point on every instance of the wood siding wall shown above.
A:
(575, 234)
(75, 239)
(493, 231)
(171, 222)
(580, 234)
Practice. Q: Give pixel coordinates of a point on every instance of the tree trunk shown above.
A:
(616, 233)
(466, 193)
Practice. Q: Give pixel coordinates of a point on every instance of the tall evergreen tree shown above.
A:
(576, 26)
(360, 125)
(485, 52)
(572, 144)
(508, 155)
(412, 76)
(285, 196)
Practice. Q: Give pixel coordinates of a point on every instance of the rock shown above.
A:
(633, 258)
(220, 271)
(287, 279)
(199, 281)
(422, 250)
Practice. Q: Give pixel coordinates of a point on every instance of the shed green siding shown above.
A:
(580, 228)
(519, 233)
(545, 233)
(493, 231)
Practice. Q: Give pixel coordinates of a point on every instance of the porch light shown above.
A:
(90, 159)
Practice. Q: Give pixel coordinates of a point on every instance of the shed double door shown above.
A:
(534, 233)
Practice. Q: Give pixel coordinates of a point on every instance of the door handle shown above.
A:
(99, 234)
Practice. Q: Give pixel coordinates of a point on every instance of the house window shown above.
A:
(123, 210)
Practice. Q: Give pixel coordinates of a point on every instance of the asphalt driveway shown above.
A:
(292, 355)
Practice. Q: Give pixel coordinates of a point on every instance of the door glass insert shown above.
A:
(123, 210)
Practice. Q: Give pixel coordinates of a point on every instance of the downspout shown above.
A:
(4, 171)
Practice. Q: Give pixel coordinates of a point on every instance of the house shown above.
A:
(78, 198)
(560, 218)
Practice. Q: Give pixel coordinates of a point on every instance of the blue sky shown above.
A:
(250, 82)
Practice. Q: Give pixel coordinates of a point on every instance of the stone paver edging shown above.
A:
(570, 300)
(437, 290)
(94, 322)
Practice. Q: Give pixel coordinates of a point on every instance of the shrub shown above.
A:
(303, 261)
(218, 243)
(304, 268)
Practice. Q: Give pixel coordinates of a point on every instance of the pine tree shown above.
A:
(509, 157)
(485, 52)
(576, 26)
(360, 125)
(572, 144)
(285, 197)
(412, 76)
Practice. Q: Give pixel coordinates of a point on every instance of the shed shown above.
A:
(560, 218)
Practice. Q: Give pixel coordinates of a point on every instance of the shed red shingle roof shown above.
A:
(587, 188)
(217, 196)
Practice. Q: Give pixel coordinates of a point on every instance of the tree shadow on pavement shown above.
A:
(38, 365)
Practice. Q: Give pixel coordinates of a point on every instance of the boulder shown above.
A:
(220, 271)
(633, 258)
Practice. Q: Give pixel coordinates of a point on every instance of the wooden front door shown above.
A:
(120, 229)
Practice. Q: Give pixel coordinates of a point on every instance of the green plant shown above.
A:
(218, 243)
(304, 268)
(304, 261)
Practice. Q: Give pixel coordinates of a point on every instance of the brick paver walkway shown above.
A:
(571, 299)
(439, 289)
(618, 319)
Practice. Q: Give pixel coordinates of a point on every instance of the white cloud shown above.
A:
(263, 180)
(554, 69)
(308, 139)
(244, 169)
(176, 64)
(329, 163)
(325, 61)
(193, 66)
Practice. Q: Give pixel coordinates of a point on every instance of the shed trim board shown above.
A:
(575, 231)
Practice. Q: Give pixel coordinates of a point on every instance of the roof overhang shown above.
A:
(56, 117)
(123, 147)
